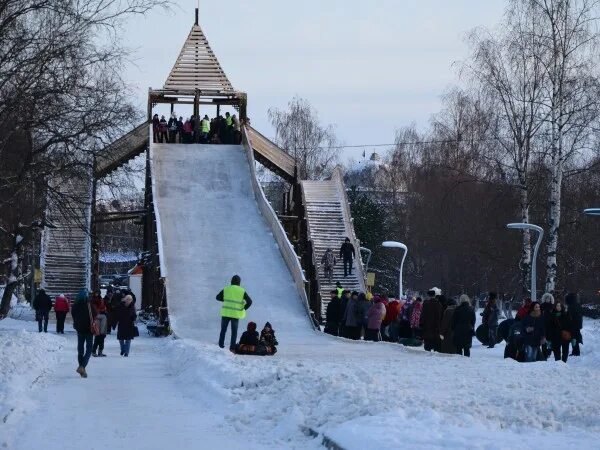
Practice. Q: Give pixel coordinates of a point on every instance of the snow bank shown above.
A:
(376, 395)
(26, 356)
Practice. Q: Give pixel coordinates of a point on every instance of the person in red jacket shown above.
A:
(61, 308)
(524, 309)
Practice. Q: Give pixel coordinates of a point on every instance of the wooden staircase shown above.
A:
(65, 256)
(327, 214)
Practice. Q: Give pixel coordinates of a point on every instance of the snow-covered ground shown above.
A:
(179, 392)
(186, 393)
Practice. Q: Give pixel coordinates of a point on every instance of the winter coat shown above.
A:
(375, 316)
(81, 316)
(392, 310)
(363, 305)
(328, 260)
(347, 251)
(268, 339)
(576, 316)
(490, 316)
(42, 302)
(415, 315)
(406, 311)
(534, 336)
(352, 314)
(99, 304)
(547, 310)
(446, 330)
(556, 324)
(125, 321)
(61, 304)
(334, 312)
(249, 338)
(463, 326)
(523, 311)
(431, 318)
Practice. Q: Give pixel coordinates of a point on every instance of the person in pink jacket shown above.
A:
(61, 307)
(415, 317)
(375, 316)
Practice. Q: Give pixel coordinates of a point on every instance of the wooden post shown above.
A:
(148, 269)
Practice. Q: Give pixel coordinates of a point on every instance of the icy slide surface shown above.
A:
(212, 229)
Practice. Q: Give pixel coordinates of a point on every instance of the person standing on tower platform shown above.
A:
(235, 303)
(204, 129)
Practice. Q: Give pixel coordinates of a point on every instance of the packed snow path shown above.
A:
(125, 403)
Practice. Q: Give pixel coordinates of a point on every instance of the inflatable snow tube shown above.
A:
(504, 328)
(255, 350)
(411, 342)
(482, 335)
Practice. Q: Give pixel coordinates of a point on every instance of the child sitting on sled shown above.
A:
(268, 339)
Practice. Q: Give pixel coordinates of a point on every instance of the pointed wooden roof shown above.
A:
(197, 67)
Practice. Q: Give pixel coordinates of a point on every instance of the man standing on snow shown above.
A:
(235, 303)
(42, 303)
(431, 317)
(347, 254)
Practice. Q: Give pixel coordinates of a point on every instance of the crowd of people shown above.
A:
(445, 325)
(94, 317)
(218, 130)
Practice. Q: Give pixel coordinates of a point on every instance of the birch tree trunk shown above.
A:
(526, 243)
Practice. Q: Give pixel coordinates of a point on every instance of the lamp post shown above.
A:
(592, 212)
(369, 253)
(394, 244)
(531, 227)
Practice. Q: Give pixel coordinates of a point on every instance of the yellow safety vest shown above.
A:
(340, 292)
(229, 121)
(205, 126)
(233, 302)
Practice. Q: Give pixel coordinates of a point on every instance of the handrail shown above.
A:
(316, 287)
(339, 179)
(156, 209)
(285, 247)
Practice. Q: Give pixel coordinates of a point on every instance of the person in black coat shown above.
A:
(463, 326)
(42, 303)
(534, 332)
(347, 254)
(559, 331)
(249, 340)
(333, 316)
(126, 329)
(574, 309)
(83, 314)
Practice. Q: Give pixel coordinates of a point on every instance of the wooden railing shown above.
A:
(285, 246)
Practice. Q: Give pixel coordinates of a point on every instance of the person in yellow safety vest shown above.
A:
(204, 129)
(339, 289)
(228, 119)
(235, 303)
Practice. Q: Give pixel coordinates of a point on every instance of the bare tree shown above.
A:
(300, 133)
(61, 91)
(568, 31)
(508, 67)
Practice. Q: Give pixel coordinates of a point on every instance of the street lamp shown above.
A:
(592, 211)
(531, 227)
(394, 244)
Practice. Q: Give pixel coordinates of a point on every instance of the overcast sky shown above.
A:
(367, 67)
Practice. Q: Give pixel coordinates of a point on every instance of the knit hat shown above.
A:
(83, 296)
(252, 326)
